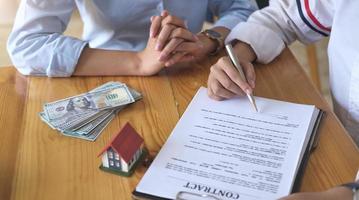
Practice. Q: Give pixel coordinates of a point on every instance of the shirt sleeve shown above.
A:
(37, 45)
(230, 12)
(269, 30)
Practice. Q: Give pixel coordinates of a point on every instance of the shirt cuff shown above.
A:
(63, 64)
(266, 43)
(228, 22)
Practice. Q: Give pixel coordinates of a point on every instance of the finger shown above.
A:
(184, 34)
(190, 47)
(164, 36)
(225, 81)
(213, 96)
(155, 26)
(176, 21)
(233, 73)
(210, 92)
(220, 91)
(169, 48)
(185, 58)
(248, 69)
(174, 59)
(164, 13)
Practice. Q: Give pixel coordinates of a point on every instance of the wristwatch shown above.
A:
(355, 188)
(217, 37)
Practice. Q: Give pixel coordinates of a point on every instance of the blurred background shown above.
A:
(313, 58)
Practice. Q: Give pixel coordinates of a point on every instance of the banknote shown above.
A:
(71, 122)
(76, 121)
(87, 123)
(136, 95)
(87, 128)
(98, 100)
(93, 134)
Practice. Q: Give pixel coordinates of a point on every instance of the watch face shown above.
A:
(213, 33)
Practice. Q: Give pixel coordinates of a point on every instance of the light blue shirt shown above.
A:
(37, 45)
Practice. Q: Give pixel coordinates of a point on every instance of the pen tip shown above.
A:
(255, 107)
(253, 102)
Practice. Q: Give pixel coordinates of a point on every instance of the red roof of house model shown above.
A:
(125, 143)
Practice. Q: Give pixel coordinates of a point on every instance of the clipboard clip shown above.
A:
(183, 195)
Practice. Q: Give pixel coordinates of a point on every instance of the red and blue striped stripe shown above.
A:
(316, 26)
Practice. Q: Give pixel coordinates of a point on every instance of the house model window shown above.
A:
(123, 152)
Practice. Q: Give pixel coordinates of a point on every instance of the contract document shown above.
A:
(227, 150)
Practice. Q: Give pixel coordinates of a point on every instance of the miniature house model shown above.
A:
(121, 155)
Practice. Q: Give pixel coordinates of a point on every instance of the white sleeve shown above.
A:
(268, 30)
(36, 44)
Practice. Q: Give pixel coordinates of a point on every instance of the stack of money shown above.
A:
(85, 116)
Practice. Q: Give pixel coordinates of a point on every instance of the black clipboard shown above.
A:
(312, 144)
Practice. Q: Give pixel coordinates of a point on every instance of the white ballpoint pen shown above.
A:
(235, 62)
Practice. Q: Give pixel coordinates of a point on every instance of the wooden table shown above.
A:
(38, 163)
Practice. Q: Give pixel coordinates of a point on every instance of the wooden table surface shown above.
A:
(38, 163)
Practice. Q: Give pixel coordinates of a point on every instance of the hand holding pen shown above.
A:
(225, 81)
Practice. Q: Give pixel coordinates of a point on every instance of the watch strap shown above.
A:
(219, 40)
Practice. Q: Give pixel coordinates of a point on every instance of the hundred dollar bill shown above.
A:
(108, 85)
(93, 134)
(75, 122)
(71, 122)
(87, 128)
(88, 123)
(85, 121)
(98, 100)
(136, 95)
(44, 119)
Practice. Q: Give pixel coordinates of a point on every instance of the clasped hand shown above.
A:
(170, 42)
